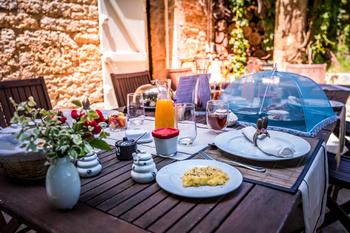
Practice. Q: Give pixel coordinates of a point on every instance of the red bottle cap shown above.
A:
(165, 133)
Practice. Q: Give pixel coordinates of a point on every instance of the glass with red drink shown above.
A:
(217, 113)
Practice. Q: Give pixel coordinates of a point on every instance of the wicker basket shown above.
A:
(24, 165)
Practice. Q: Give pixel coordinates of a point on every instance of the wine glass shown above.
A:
(136, 110)
(217, 113)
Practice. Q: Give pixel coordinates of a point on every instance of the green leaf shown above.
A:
(31, 102)
(72, 153)
(77, 140)
(63, 148)
(100, 144)
(77, 103)
(87, 147)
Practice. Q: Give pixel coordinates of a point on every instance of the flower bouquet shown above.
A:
(62, 144)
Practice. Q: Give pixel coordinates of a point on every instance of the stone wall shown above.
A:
(56, 39)
(192, 26)
(188, 25)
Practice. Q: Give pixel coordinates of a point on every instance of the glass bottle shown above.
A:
(164, 115)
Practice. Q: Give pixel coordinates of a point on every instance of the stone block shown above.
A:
(30, 6)
(8, 4)
(19, 21)
(67, 25)
(82, 38)
(57, 9)
(87, 2)
(7, 45)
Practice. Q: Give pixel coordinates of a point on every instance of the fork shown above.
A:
(234, 163)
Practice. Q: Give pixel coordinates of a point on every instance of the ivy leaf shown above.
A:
(77, 103)
(104, 134)
(87, 148)
(77, 140)
(100, 144)
(72, 153)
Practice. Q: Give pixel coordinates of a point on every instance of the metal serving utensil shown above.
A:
(234, 163)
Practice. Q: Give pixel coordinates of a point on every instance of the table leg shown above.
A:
(2, 221)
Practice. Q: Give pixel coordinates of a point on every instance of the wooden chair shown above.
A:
(176, 74)
(20, 90)
(126, 83)
(338, 179)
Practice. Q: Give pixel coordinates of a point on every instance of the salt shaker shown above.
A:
(143, 169)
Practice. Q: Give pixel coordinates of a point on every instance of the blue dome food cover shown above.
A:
(293, 103)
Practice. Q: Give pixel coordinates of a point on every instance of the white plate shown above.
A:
(169, 179)
(336, 104)
(233, 142)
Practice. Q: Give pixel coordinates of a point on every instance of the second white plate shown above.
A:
(233, 142)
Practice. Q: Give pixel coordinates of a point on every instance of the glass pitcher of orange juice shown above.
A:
(164, 115)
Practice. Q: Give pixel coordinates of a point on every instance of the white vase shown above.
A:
(63, 184)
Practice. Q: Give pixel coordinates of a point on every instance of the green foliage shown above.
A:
(269, 22)
(48, 131)
(331, 30)
(239, 43)
(241, 47)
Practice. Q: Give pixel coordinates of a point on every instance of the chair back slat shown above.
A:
(128, 83)
(20, 90)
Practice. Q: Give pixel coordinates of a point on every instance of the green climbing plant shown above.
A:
(239, 43)
(331, 30)
(325, 27)
(269, 22)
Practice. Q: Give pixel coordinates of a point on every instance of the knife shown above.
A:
(234, 163)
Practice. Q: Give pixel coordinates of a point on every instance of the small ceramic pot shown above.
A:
(89, 165)
(165, 140)
(143, 169)
(125, 148)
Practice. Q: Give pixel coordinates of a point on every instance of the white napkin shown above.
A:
(269, 145)
(9, 145)
(314, 192)
(13, 129)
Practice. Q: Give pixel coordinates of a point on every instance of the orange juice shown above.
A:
(164, 114)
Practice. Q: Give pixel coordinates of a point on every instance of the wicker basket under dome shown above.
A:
(21, 164)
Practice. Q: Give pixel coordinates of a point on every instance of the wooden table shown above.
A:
(112, 202)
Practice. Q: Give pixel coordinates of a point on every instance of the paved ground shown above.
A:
(344, 195)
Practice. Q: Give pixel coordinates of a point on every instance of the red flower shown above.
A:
(97, 129)
(92, 123)
(63, 119)
(101, 118)
(82, 114)
(75, 115)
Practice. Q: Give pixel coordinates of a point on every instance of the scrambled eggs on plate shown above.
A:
(204, 176)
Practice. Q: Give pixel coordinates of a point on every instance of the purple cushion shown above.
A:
(189, 92)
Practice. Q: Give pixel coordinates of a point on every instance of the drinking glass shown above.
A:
(136, 110)
(217, 113)
(185, 122)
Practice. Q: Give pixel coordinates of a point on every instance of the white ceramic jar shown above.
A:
(89, 165)
(165, 140)
(143, 169)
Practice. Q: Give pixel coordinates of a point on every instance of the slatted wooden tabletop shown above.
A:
(113, 202)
